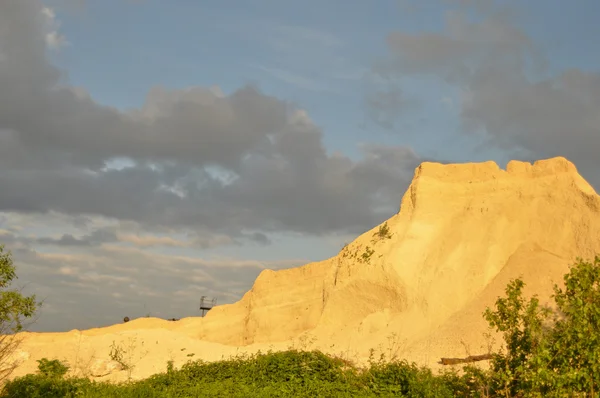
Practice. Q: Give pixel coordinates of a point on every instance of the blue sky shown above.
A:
(316, 54)
(455, 78)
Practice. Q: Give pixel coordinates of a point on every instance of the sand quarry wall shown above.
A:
(462, 232)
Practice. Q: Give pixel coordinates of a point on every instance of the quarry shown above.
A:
(414, 286)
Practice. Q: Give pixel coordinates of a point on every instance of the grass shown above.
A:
(292, 373)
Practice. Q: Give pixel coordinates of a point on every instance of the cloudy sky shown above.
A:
(152, 151)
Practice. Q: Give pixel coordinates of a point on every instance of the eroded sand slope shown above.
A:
(463, 231)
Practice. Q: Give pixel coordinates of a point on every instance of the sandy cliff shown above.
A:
(462, 232)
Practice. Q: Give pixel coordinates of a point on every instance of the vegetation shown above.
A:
(14, 308)
(546, 353)
(550, 353)
(54, 368)
(383, 232)
(291, 373)
(125, 355)
(366, 255)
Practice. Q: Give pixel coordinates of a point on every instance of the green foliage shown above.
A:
(170, 367)
(550, 353)
(14, 308)
(126, 355)
(117, 354)
(575, 342)
(13, 305)
(521, 323)
(40, 386)
(400, 378)
(383, 232)
(290, 373)
(53, 368)
(49, 383)
(366, 255)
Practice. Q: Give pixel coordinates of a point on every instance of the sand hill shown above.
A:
(416, 290)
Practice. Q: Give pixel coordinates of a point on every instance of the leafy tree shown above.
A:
(550, 352)
(14, 307)
(576, 334)
(522, 324)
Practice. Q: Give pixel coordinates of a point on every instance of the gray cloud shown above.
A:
(555, 116)
(298, 187)
(114, 208)
(90, 285)
(100, 286)
(55, 144)
(507, 92)
(201, 169)
(95, 238)
(454, 56)
(462, 49)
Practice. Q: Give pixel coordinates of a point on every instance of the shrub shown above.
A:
(550, 353)
(53, 368)
(14, 307)
(49, 383)
(383, 232)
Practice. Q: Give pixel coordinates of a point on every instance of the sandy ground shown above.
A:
(463, 231)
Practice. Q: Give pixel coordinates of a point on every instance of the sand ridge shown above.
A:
(462, 232)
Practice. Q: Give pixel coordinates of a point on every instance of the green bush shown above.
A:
(550, 353)
(574, 345)
(274, 374)
(53, 368)
(42, 386)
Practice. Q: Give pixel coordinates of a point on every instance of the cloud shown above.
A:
(56, 143)
(464, 47)
(454, 56)
(54, 39)
(167, 241)
(112, 281)
(97, 231)
(554, 116)
(98, 237)
(508, 94)
(118, 208)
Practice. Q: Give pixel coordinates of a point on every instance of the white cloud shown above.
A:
(83, 225)
(54, 39)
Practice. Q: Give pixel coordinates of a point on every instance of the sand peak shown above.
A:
(466, 172)
(426, 281)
